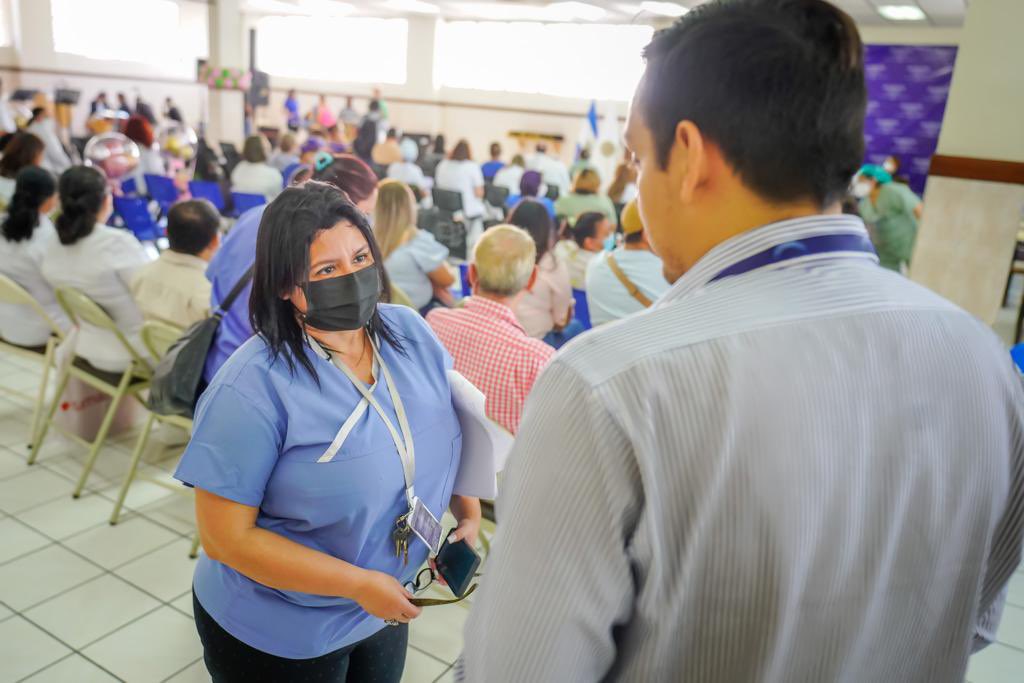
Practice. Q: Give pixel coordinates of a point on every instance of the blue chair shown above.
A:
(1017, 353)
(129, 187)
(208, 190)
(245, 201)
(135, 214)
(464, 279)
(162, 190)
(582, 309)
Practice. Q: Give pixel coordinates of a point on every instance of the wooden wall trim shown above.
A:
(969, 168)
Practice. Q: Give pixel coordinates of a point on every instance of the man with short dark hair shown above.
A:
(796, 465)
(174, 289)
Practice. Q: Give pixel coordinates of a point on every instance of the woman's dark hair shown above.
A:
(777, 85)
(584, 228)
(495, 150)
(439, 145)
(32, 187)
(287, 230)
(349, 174)
(461, 151)
(366, 138)
(138, 129)
(83, 190)
(22, 150)
(532, 217)
(37, 112)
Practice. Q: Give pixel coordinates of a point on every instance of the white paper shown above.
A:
(485, 444)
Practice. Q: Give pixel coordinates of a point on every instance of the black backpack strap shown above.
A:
(229, 300)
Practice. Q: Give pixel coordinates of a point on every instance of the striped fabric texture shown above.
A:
(813, 471)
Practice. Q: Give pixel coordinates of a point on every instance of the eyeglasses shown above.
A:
(424, 579)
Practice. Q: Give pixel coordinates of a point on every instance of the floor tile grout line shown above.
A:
(444, 673)
(74, 650)
(432, 656)
(198, 659)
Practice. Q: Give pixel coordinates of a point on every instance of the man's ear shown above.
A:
(688, 159)
(473, 277)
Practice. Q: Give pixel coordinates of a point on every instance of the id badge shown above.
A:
(425, 525)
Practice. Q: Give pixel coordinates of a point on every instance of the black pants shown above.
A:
(378, 659)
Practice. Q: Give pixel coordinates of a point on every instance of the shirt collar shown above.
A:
(188, 260)
(752, 242)
(492, 309)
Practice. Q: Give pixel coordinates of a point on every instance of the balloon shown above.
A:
(179, 141)
(112, 153)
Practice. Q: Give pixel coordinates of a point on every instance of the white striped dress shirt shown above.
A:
(812, 471)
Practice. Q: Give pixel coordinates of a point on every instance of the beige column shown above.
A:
(975, 193)
(227, 49)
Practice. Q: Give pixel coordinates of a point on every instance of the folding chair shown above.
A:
(13, 293)
(582, 308)
(157, 337)
(1017, 353)
(135, 214)
(162, 190)
(132, 381)
(129, 187)
(208, 190)
(245, 201)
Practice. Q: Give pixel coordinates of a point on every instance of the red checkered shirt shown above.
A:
(491, 350)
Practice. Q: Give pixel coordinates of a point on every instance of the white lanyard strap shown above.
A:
(349, 425)
(403, 442)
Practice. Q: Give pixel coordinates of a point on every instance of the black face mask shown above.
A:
(343, 303)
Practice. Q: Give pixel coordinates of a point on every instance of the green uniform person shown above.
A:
(892, 210)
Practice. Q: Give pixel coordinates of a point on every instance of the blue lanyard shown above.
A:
(808, 246)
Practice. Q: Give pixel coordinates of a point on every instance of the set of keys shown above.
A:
(401, 535)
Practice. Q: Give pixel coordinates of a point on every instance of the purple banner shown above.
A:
(907, 90)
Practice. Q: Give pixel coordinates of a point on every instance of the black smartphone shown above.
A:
(457, 564)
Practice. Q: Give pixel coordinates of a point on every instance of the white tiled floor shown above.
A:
(82, 601)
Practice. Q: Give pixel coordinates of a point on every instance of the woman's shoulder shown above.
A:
(250, 366)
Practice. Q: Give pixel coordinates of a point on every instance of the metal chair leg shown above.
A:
(37, 411)
(194, 552)
(140, 448)
(62, 383)
(101, 435)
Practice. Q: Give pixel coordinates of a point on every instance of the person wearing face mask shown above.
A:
(234, 259)
(582, 240)
(892, 210)
(313, 441)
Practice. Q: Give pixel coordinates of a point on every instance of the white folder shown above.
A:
(485, 443)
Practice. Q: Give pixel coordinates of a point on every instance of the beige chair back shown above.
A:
(13, 293)
(82, 309)
(157, 337)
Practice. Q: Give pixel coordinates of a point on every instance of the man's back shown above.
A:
(794, 475)
(173, 289)
(608, 298)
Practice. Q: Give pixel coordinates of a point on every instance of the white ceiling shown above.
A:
(937, 12)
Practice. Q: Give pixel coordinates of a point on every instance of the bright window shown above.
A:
(146, 31)
(5, 22)
(590, 61)
(361, 50)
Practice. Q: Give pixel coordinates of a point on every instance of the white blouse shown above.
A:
(22, 261)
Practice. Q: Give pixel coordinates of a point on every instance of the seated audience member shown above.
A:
(174, 289)
(139, 131)
(552, 170)
(235, 256)
(531, 187)
(285, 155)
(429, 161)
(461, 174)
(582, 162)
(387, 152)
(253, 174)
(27, 235)
(172, 112)
(336, 141)
(98, 260)
(580, 243)
(627, 279)
(510, 176)
(366, 139)
(348, 116)
(623, 186)
(23, 149)
(43, 126)
(892, 210)
(545, 309)
(414, 260)
(406, 170)
(491, 168)
(585, 196)
(487, 343)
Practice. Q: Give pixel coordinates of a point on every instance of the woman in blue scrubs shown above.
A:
(301, 475)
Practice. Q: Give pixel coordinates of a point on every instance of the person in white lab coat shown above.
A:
(552, 171)
(43, 126)
(253, 174)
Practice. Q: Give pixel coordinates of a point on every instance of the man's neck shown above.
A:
(508, 301)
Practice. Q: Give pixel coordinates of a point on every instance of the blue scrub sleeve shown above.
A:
(427, 251)
(234, 447)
